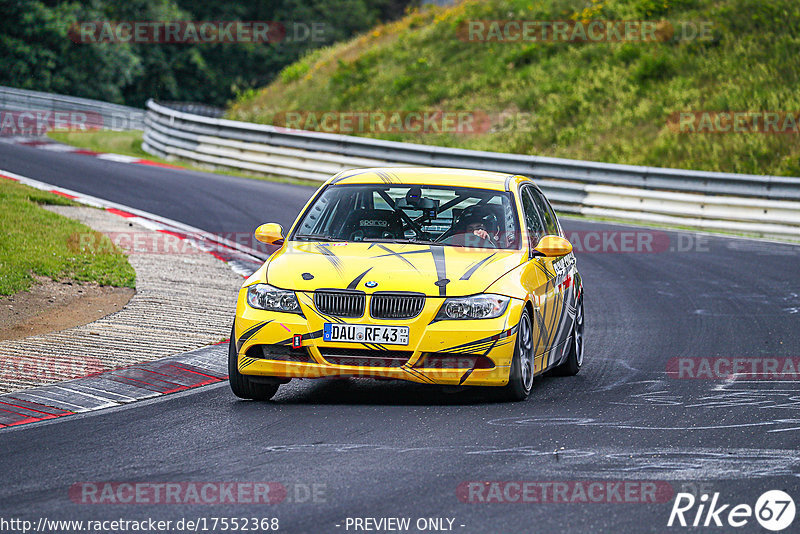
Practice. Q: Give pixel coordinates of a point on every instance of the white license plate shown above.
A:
(364, 333)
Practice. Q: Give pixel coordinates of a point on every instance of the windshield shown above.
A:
(453, 216)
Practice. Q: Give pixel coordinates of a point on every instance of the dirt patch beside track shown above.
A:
(184, 300)
(52, 305)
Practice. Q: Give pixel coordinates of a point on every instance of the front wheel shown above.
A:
(241, 385)
(520, 379)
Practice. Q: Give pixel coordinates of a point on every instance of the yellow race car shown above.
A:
(438, 276)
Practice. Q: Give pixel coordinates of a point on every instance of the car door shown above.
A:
(539, 279)
(563, 270)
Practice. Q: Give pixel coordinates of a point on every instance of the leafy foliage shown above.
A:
(36, 52)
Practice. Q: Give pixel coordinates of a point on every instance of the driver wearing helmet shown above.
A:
(478, 224)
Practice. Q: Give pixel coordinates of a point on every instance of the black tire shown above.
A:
(520, 379)
(572, 365)
(243, 387)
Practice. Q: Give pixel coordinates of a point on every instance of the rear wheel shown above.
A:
(572, 365)
(520, 379)
(241, 385)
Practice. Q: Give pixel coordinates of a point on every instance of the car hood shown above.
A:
(435, 270)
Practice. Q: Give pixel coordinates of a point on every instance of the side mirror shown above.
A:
(269, 233)
(552, 246)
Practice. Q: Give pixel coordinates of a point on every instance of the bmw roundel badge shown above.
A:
(371, 284)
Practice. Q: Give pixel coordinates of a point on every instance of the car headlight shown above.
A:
(266, 297)
(477, 307)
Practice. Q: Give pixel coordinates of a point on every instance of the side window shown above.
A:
(546, 212)
(379, 203)
(328, 212)
(532, 221)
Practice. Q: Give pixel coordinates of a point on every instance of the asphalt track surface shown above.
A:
(395, 449)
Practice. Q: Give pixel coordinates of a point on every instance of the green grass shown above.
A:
(34, 240)
(604, 102)
(129, 143)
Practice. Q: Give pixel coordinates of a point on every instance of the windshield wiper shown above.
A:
(399, 241)
(424, 242)
(317, 237)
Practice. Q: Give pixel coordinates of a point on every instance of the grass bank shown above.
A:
(602, 101)
(36, 241)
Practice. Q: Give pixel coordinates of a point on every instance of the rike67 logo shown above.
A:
(774, 510)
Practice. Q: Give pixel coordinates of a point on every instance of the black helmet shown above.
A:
(479, 214)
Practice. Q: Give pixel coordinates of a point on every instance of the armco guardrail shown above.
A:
(98, 114)
(764, 205)
(196, 109)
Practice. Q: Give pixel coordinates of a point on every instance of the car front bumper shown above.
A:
(449, 352)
